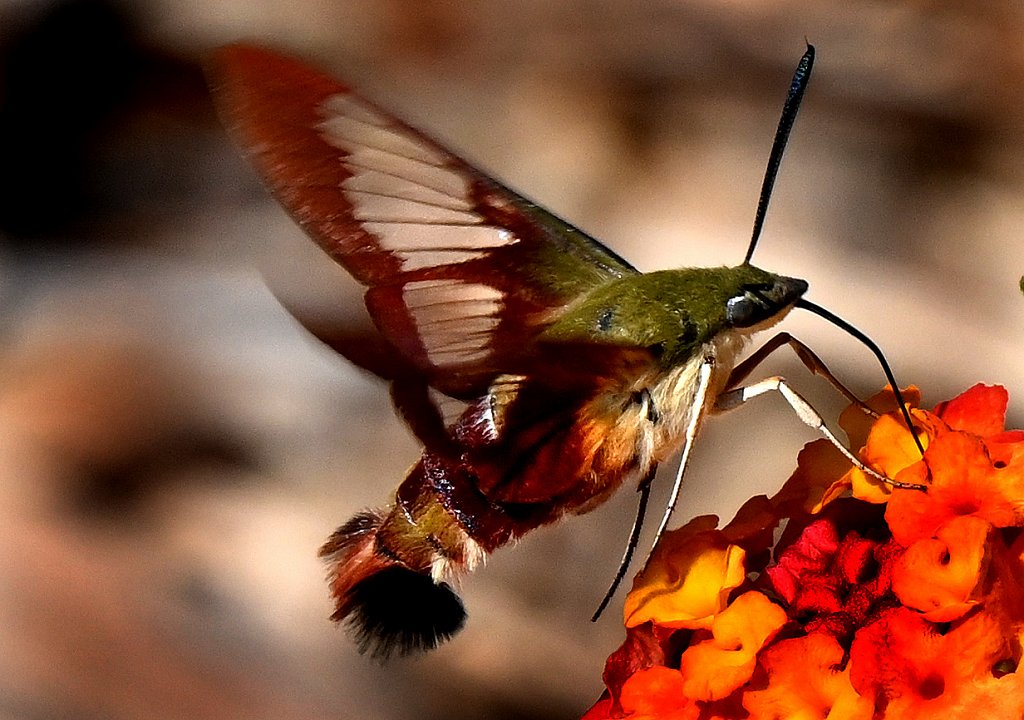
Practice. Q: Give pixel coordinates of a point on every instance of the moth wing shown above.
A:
(462, 273)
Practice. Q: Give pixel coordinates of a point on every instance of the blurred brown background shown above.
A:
(174, 447)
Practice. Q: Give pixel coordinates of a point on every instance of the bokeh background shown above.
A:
(174, 447)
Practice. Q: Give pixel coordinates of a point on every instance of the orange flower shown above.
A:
(806, 679)
(713, 668)
(940, 576)
(916, 672)
(823, 474)
(657, 694)
(890, 449)
(980, 410)
(964, 481)
(688, 579)
(873, 603)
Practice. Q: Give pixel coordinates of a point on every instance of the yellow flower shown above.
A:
(688, 578)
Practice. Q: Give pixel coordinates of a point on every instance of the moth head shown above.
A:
(743, 298)
(762, 302)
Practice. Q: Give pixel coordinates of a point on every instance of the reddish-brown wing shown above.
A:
(462, 272)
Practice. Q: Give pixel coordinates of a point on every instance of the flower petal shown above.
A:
(940, 576)
(603, 709)
(806, 680)
(890, 449)
(657, 694)
(979, 410)
(688, 578)
(964, 481)
(857, 424)
(714, 668)
(822, 474)
(904, 661)
(643, 647)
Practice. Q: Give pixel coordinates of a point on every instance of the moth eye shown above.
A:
(740, 311)
(604, 320)
(754, 304)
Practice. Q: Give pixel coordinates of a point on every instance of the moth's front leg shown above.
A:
(808, 357)
(807, 414)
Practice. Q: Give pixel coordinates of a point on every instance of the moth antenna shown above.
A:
(789, 111)
(870, 344)
(634, 540)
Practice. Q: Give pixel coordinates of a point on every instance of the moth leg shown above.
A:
(807, 414)
(807, 356)
(644, 488)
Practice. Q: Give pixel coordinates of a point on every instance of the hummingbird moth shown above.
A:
(574, 372)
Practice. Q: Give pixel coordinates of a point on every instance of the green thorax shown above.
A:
(676, 312)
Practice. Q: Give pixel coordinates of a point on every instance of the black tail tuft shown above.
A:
(398, 610)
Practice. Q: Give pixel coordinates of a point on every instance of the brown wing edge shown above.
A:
(268, 102)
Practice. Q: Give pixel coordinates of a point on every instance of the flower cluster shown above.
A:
(842, 597)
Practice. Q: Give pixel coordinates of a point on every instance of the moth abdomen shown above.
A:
(399, 610)
(390, 607)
